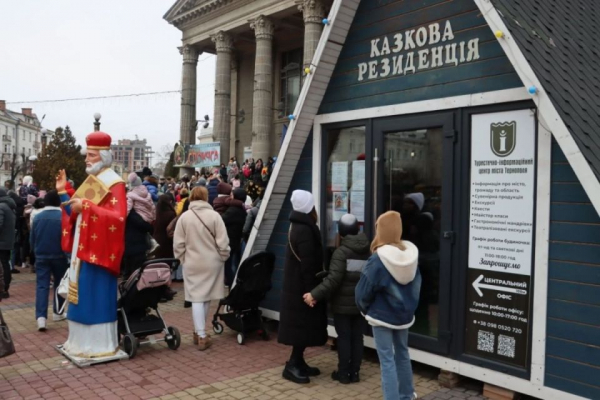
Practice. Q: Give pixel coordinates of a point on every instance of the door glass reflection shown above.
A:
(345, 192)
(412, 186)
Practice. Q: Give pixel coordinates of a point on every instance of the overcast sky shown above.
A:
(63, 49)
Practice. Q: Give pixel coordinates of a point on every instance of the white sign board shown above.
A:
(502, 191)
(501, 236)
(339, 176)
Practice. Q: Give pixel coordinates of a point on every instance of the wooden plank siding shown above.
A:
(573, 329)
(375, 19)
(302, 179)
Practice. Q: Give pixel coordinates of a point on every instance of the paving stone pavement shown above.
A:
(225, 371)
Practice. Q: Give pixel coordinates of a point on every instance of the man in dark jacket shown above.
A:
(223, 193)
(345, 267)
(7, 238)
(234, 219)
(45, 240)
(212, 189)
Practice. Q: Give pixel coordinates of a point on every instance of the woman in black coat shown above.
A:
(302, 325)
(165, 213)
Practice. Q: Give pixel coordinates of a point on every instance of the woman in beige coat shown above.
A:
(201, 244)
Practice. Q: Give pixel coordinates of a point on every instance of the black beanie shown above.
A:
(239, 194)
(52, 199)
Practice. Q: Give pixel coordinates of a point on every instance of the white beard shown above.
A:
(95, 168)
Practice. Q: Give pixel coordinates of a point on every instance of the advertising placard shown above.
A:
(204, 155)
(501, 220)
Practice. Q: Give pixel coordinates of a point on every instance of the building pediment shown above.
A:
(186, 10)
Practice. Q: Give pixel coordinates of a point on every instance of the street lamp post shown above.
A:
(44, 140)
(31, 165)
(97, 117)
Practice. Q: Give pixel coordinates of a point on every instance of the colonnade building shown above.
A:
(262, 49)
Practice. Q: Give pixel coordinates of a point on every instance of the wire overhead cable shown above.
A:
(94, 98)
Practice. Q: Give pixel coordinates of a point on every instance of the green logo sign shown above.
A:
(503, 138)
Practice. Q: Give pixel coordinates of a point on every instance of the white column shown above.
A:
(222, 121)
(313, 12)
(187, 132)
(262, 113)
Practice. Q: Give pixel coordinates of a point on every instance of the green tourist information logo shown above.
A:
(503, 138)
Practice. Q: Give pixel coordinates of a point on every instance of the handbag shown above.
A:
(211, 232)
(7, 347)
(62, 290)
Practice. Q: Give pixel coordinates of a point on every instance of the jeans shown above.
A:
(5, 260)
(350, 330)
(396, 370)
(178, 273)
(57, 267)
(231, 266)
(199, 315)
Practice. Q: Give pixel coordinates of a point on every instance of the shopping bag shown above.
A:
(7, 346)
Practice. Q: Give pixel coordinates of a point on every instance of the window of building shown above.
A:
(30, 136)
(7, 148)
(291, 79)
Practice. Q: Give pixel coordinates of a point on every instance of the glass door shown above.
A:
(344, 184)
(412, 171)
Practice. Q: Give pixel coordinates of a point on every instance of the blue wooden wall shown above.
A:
(278, 242)
(573, 331)
(375, 19)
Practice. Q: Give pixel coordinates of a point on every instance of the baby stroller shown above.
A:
(139, 297)
(241, 313)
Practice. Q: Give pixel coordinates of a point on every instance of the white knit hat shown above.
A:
(302, 201)
(418, 199)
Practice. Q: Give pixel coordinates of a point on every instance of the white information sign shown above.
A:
(358, 175)
(502, 192)
(339, 176)
(357, 205)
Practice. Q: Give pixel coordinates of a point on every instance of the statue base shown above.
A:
(82, 362)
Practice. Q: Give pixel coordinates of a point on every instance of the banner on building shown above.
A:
(198, 155)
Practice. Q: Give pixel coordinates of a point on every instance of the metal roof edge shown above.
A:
(547, 111)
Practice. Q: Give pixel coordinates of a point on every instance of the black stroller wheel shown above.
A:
(175, 340)
(130, 344)
(217, 328)
(241, 338)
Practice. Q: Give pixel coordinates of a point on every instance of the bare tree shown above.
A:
(17, 165)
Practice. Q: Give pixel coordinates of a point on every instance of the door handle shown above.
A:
(449, 235)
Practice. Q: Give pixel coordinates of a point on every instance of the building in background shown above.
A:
(131, 155)
(263, 49)
(20, 144)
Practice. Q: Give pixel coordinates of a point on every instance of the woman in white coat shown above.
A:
(201, 244)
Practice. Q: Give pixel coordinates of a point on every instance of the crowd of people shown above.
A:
(204, 221)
